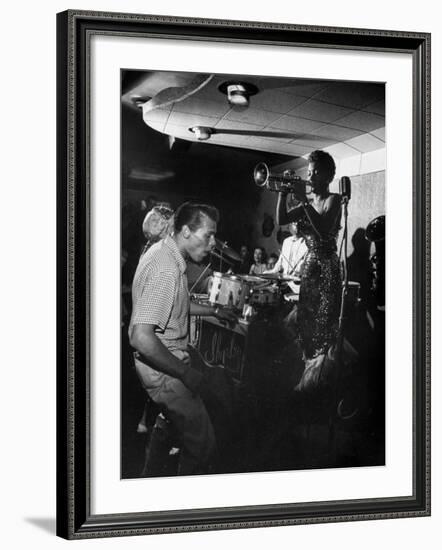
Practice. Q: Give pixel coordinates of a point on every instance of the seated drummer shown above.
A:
(271, 261)
(292, 255)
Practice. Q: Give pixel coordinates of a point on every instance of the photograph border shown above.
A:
(74, 32)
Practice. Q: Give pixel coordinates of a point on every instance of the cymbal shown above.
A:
(253, 279)
(276, 277)
(225, 250)
(223, 258)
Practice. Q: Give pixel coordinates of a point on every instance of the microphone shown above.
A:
(345, 187)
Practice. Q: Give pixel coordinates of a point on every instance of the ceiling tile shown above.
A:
(283, 148)
(275, 101)
(361, 120)
(295, 124)
(378, 107)
(341, 150)
(365, 143)
(279, 137)
(158, 116)
(318, 110)
(236, 125)
(351, 94)
(251, 131)
(314, 142)
(252, 116)
(303, 87)
(379, 133)
(187, 120)
(195, 105)
(336, 133)
(210, 90)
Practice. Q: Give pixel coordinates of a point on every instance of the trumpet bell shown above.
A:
(261, 174)
(286, 181)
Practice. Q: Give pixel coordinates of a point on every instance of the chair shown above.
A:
(162, 446)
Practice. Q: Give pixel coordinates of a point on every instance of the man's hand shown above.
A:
(225, 316)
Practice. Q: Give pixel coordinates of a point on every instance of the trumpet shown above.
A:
(285, 182)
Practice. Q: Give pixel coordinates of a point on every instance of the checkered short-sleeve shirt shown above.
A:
(160, 296)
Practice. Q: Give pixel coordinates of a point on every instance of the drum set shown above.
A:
(237, 291)
(247, 295)
(251, 295)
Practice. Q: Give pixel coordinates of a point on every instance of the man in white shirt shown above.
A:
(291, 261)
(292, 254)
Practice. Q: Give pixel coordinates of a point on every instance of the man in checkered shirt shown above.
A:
(159, 331)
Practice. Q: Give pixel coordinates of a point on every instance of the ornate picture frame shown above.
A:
(75, 217)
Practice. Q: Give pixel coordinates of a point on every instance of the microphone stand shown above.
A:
(343, 312)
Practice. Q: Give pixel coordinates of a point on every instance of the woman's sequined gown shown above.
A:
(320, 292)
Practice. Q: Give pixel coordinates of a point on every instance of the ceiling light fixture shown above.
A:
(139, 101)
(238, 93)
(202, 133)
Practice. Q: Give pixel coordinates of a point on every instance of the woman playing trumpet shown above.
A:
(318, 217)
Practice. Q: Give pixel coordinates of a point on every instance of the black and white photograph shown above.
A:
(253, 239)
(222, 263)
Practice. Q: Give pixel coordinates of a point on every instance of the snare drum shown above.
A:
(225, 290)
